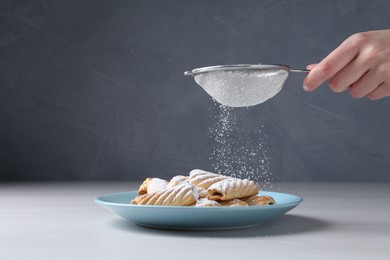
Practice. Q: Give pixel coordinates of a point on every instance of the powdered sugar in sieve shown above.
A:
(242, 85)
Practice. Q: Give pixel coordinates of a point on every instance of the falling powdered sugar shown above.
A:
(240, 151)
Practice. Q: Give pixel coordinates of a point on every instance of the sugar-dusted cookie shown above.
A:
(152, 185)
(202, 193)
(184, 194)
(234, 203)
(204, 179)
(232, 188)
(177, 180)
(260, 200)
(204, 202)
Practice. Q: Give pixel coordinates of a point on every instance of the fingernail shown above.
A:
(306, 88)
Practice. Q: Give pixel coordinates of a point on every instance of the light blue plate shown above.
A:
(197, 218)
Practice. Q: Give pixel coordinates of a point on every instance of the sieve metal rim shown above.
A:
(237, 67)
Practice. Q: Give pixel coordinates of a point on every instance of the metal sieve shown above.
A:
(242, 85)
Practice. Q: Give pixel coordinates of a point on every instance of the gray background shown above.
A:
(94, 90)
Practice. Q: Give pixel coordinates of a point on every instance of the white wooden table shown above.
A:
(61, 221)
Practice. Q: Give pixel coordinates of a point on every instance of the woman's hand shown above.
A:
(360, 64)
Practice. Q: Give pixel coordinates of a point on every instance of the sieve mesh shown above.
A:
(242, 88)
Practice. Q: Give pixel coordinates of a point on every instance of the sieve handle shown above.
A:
(300, 70)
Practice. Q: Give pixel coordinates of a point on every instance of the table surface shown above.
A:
(61, 221)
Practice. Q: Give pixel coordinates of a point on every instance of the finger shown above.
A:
(351, 73)
(333, 63)
(382, 91)
(365, 85)
(311, 66)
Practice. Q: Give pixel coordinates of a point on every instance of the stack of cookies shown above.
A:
(201, 189)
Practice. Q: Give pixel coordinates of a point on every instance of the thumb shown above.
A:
(311, 66)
